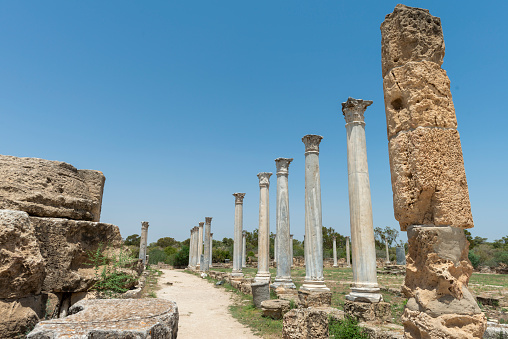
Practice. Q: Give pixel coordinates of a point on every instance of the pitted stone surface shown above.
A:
(113, 318)
(47, 188)
(309, 323)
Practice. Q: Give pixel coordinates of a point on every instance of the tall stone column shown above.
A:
(206, 250)
(348, 255)
(237, 247)
(143, 241)
(314, 279)
(211, 250)
(193, 250)
(263, 273)
(335, 251)
(244, 249)
(430, 193)
(275, 248)
(283, 238)
(291, 249)
(196, 247)
(200, 244)
(387, 261)
(190, 247)
(365, 286)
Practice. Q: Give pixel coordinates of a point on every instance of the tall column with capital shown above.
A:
(291, 249)
(263, 274)
(348, 255)
(335, 251)
(314, 279)
(143, 241)
(237, 247)
(193, 250)
(190, 247)
(365, 286)
(200, 243)
(211, 250)
(244, 249)
(283, 238)
(206, 250)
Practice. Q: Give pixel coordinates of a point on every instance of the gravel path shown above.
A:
(203, 308)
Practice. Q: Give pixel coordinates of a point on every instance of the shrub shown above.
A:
(181, 258)
(156, 255)
(475, 259)
(346, 329)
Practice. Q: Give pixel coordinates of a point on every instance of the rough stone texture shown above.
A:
(47, 188)
(428, 179)
(309, 323)
(384, 331)
(314, 299)
(260, 293)
(418, 94)
(365, 311)
(64, 245)
(114, 318)
(495, 331)
(22, 268)
(20, 315)
(411, 34)
(275, 308)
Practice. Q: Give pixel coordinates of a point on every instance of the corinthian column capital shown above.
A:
(311, 142)
(208, 220)
(282, 165)
(353, 109)
(239, 198)
(144, 225)
(201, 224)
(264, 178)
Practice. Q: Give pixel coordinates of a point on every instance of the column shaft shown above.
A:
(244, 250)
(387, 253)
(190, 248)
(206, 250)
(237, 247)
(211, 249)
(263, 273)
(335, 252)
(200, 243)
(143, 241)
(348, 255)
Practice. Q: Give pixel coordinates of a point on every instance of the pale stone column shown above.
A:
(211, 250)
(348, 255)
(314, 279)
(237, 247)
(143, 241)
(206, 251)
(190, 247)
(263, 273)
(196, 247)
(335, 252)
(200, 243)
(244, 249)
(275, 248)
(291, 249)
(193, 248)
(365, 286)
(283, 238)
(387, 261)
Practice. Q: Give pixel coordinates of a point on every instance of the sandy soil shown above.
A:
(203, 308)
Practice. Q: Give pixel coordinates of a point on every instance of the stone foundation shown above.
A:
(363, 311)
(275, 308)
(309, 323)
(314, 299)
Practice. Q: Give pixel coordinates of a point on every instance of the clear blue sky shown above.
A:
(182, 103)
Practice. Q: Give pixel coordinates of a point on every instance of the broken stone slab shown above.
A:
(113, 318)
(48, 188)
(428, 179)
(490, 300)
(411, 34)
(275, 308)
(65, 245)
(365, 311)
(309, 323)
(314, 298)
(22, 267)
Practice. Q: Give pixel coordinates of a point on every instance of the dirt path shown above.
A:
(203, 308)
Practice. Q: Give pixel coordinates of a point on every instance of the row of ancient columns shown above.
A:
(200, 251)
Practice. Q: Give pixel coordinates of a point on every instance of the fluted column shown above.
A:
(200, 243)
(143, 241)
(211, 250)
(237, 247)
(365, 286)
(348, 255)
(291, 249)
(283, 237)
(263, 273)
(335, 251)
(314, 280)
(190, 247)
(244, 249)
(206, 250)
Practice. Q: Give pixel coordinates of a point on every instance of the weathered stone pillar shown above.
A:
(200, 244)
(193, 251)
(211, 249)
(190, 247)
(206, 250)
(263, 273)
(275, 248)
(283, 238)
(401, 255)
(430, 194)
(244, 249)
(365, 286)
(314, 279)
(291, 249)
(348, 255)
(387, 261)
(143, 241)
(335, 251)
(237, 247)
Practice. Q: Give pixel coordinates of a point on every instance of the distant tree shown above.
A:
(132, 240)
(167, 241)
(228, 242)
(170, 250)
(382, 234)
(182, 257)
(186, 242)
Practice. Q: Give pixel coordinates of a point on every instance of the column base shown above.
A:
(365, 294)
(335, 265)
(314, 286)
(366, 311)
(263, 277)
(238, 275)
(315, 298)
(285, 283)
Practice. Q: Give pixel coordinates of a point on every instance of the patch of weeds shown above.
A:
(151, 282)
(346, 329)
(292, 304)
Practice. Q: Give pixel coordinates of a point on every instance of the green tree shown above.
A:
(382, 234)
(167, 241)
(132, 240)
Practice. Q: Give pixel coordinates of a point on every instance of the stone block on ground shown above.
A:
(309, 323)
(383, 331)
(410, 34)
(48, 188)
(260, 293)
(275, 308)
(495, 331)
(113, 318)
(364, 311)
(314, 298)
(22, 267)
(65, 244)
(428, 179)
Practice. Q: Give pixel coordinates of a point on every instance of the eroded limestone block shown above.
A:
(47, 188)
(260, 292)
(275, 308)
(114, 318)
(365, 311)
(428, 179)
(65, 245)
(309, 323)
(418, 94)
(22, 267)
(314, 298)
(411, 34)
